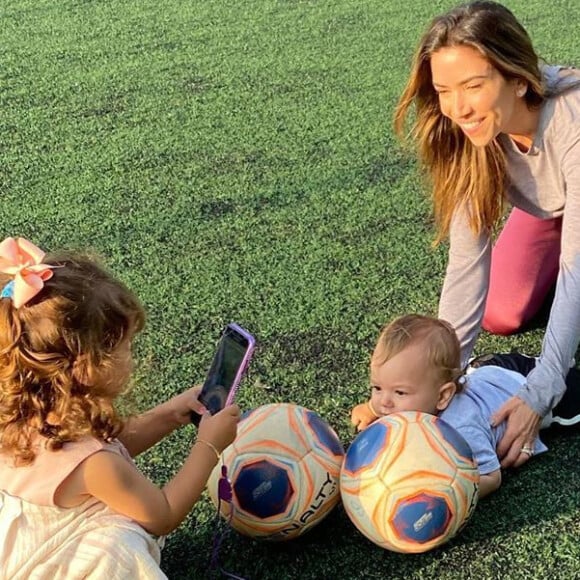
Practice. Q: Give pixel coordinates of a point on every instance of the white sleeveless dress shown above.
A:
(39, 540)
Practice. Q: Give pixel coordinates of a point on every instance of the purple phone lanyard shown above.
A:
(224, 494)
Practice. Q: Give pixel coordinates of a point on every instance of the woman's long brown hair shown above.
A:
(462, 175)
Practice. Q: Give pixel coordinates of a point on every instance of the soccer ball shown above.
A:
(409, 482)
(284, 469)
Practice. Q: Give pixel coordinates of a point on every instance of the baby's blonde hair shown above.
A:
(438, 337)
(70, 330)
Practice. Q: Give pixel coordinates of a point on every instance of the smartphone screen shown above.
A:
(231, 359)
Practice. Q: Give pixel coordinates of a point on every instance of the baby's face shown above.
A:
(405, 382)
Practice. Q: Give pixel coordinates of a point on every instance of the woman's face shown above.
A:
(475, 96)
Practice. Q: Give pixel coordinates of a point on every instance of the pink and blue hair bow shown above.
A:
(22, 260)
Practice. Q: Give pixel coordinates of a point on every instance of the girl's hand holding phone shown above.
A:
(233, 353)
(183, 404)
(220, 429)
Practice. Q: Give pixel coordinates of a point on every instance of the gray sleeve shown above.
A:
(464, 293)
(545, 384)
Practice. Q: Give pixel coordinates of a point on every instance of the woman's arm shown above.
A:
(145, 430)
(464, 292)
(545, 385)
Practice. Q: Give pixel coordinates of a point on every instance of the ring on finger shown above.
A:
(527, 450)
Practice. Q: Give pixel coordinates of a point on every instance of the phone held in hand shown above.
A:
(231, 359)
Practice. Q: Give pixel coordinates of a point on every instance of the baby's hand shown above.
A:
(220, 429)
(362, 416)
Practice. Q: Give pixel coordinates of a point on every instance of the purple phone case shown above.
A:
(232, 327)
(245, 361)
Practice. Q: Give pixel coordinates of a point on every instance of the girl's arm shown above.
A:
(145, 430)
(489, 482)
(119, 484)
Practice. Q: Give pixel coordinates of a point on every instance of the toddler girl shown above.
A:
(72, 502)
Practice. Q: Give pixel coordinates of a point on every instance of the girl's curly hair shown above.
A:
(68, 332)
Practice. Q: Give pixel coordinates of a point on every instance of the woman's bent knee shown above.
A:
(500, 321)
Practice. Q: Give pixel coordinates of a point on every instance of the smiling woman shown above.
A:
(479, 99)
(494, 125)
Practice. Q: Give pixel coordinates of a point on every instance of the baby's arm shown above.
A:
(145, 430)
(119, 484)
(489, 482)
(478, 435)
(362, 416)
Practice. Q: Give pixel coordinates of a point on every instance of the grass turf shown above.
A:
(236, 161)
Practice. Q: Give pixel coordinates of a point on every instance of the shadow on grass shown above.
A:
(545, 490)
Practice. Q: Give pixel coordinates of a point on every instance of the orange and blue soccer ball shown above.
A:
(284, 469)
(409, 482)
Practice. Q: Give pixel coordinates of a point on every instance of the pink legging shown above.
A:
(524, 267)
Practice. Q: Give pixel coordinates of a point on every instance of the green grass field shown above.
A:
(236, 161)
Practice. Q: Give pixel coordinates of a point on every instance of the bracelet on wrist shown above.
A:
(211, 446)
